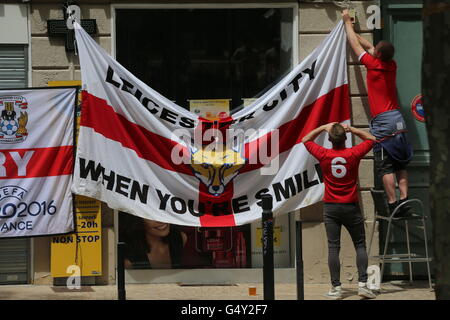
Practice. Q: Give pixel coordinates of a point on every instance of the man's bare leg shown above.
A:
(402, 179)
(389, 187)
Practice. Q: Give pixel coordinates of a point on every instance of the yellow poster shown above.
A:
(276, 237)
(281, 242)
(248, 101)
(84, 248)
(211, 109)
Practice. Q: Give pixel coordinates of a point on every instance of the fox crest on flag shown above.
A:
(143, 154)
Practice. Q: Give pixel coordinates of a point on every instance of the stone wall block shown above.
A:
(323, 17)
(357, 79)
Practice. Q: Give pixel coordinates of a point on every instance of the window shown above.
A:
(189, 54)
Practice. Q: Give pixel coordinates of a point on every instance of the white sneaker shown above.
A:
(365, 292)
(335, 293)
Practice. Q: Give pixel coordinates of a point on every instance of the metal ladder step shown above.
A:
(398, 260)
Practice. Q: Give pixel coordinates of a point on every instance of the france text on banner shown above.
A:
(36, 161)
(141, 153)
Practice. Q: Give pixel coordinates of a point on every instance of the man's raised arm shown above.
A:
(314, 133)
(364, 135)
(367, 45)
(351, 34)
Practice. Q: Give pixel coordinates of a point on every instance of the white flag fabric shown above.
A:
(143, 154)
(36, 161)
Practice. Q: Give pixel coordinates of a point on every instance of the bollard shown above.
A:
(268, 265)
(121, 293)
(299, 262)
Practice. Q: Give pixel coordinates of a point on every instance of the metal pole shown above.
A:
(299, 263)
(121, 293)
(268, 265)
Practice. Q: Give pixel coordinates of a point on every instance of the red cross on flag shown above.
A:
(141, 153)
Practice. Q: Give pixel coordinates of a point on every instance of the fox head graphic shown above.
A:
(216, 167)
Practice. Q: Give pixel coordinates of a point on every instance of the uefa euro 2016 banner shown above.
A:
(143, 154)
(36, 161)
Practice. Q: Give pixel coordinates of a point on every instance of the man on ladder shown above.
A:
(393, 151)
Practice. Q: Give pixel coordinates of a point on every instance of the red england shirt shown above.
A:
(381, 84)
(340, 170)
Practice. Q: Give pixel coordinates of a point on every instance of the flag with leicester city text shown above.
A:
(143, 154)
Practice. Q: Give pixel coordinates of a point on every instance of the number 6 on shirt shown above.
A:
(337, 168)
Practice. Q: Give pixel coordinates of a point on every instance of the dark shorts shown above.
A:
(385, 164)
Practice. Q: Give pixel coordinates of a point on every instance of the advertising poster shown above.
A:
(156, 245)
(281, 247)
(211, 109)
(83, 248)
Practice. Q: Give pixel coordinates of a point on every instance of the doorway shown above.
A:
(403, 27)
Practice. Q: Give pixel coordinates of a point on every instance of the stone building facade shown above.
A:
(50, 62)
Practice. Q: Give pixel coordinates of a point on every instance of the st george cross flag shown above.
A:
(36, 161)
(143, 154)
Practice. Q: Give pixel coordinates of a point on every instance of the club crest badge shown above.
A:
(417, 108)
(13, 119)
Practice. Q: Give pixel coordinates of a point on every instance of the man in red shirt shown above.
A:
(341, 204)
(393, 152)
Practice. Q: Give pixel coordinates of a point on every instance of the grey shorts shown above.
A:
(385, 164)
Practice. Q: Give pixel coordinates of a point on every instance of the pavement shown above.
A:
(396, 290)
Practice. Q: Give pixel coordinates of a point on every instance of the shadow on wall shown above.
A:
(312, 213)
(365, 103)
(360, 81)
(23, 10)
(332, 13)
